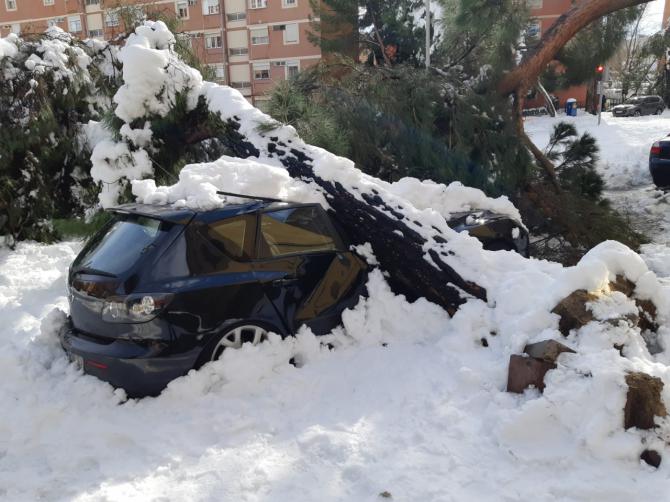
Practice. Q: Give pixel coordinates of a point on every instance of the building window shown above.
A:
(92, 2)
(292, 68)
(240, 85)
(74, 24)
(262, 71)
(238, 51)
(52, 22)
(111, 18)
(236, 16)
(182, 10)
(10, 4)
(287, 4)
(260, 37)
(257, 4)
(291, 34)
(534, 4)
(218, 71)
(95, 33)
(47, 3)
(213, 41)
(534, 29)
(211, 7)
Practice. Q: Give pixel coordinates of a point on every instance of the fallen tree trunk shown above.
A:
(398, 248)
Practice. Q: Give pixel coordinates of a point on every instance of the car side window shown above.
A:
(296, 230)
(229, 236)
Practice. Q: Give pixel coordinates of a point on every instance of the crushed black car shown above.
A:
(160, 290)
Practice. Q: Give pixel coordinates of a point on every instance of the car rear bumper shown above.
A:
(138, 368)
(660, 171)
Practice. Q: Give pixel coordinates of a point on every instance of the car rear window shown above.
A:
(296, 230)
(118, 246)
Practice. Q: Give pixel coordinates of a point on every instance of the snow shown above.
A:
(152, 78)
(408, 401)
(624, 163)
(8, 47)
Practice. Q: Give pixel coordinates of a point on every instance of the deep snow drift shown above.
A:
(410, 401)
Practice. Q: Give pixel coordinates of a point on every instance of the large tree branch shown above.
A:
(524, 76)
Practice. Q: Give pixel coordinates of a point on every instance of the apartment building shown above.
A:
(544, 14)
(251, 44)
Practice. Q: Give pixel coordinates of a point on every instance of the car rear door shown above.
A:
(649, 106)
(305, 268)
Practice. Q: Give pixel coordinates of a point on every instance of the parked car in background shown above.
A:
(159, 290)
(640, 105)
(659, 162)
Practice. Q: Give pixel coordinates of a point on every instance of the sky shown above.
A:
(653, 16)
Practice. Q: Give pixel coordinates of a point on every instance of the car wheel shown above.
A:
(233, 338)
(659, 111)
(637, 113)
(236, 337)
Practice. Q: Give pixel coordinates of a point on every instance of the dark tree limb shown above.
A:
(396, 245)
(583, 13)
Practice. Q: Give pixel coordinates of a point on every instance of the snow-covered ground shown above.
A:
(624, 163)
(410, 402)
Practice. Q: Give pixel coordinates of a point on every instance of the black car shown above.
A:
(160, 291)
(659, 162)
(640, 105)
(497, 232)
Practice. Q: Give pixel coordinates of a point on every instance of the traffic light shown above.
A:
(600, 70)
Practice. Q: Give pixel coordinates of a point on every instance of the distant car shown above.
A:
(640, 105)
(659, 162)
(160, 290)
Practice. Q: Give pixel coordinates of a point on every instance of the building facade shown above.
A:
(251, 44)
(544, 13)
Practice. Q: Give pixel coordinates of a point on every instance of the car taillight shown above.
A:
(655, 149)
(135, 308)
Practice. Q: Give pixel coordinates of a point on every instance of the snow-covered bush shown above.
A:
(48, 89)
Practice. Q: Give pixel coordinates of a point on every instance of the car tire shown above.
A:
(659, 111)
(233, 337)
(637, 113)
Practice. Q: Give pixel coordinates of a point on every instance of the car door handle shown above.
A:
(286, 281)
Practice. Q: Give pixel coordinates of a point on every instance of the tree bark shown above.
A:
(524, 76)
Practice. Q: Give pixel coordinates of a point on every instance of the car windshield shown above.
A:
(633, 101)
(116, 248)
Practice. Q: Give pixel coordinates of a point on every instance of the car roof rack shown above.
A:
(253, 197)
